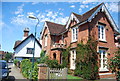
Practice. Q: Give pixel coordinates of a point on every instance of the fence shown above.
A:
(57, 73)
(51, 73)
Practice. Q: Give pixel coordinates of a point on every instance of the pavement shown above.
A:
(15, 72)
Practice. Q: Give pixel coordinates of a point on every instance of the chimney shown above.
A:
(26, 33)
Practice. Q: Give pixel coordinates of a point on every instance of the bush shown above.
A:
(53, 64)
(26, 68)
(86, 60)
(15, 61)
(114, 64)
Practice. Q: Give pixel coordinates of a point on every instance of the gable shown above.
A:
(43, 30)
(30, 36)
(88, 16)
(109, 17)
(71, 18)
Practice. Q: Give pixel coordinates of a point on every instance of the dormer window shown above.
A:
(74, 34)
(101, 32)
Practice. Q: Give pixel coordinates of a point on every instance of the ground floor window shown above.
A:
(72, 59)
(103, 60)
(54, 56)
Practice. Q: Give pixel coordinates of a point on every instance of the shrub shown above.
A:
(86, 60)
(15, 61)
(114, 64)
(65, 57)
(26, 67)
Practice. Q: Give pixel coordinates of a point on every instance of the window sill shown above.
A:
(103, 70)
(104, 41)
(74, 41)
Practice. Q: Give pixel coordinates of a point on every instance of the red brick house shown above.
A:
(97, 23)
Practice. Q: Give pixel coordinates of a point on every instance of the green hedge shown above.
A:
(26, 68)
(15, 61)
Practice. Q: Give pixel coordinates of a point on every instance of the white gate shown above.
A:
(57, 73)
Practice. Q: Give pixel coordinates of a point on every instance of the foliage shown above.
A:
(8, 56)
(65, 57)
(15, 61)
(26, 67)
(69, 71)
(42, 54)
(86, 60)
(50, 63)
(53, 64)
(115, 63)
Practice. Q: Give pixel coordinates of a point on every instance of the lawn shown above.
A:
(73, 77)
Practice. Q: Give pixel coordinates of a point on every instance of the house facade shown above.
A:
(96, 23)
(24, 49)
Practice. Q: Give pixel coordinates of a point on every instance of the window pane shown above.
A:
(101, 32)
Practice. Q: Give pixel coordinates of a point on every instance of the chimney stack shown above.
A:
(26, 33)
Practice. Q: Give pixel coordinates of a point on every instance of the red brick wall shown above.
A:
(83, 33)
(46, 48)
(108, 31)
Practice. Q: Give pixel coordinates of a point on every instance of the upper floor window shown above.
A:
(101, 32)
(30, 50)
(46, 38)
(74, 34)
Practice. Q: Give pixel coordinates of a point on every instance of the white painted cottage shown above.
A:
(23, 49)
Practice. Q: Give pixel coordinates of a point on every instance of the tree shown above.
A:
(8, 56)
(115, 64)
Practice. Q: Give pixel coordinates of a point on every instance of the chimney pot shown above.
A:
(26, 33)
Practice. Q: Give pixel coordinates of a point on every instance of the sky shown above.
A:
(14, 17)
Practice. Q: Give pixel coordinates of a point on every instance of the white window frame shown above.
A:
(74, 34)
(103, 64)
(46, 38)
(101, 32)
(72, 59)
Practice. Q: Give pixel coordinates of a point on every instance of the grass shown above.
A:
(73, 77)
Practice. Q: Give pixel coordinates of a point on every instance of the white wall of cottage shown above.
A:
(21, 51)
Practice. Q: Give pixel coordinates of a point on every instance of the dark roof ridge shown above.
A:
(54, 23)
(92, 8)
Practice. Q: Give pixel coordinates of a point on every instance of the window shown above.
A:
(103, 60)
(74, 34)
(30, 50)
(46, 38)
(101, 32)
(54, 56)
(72, 59)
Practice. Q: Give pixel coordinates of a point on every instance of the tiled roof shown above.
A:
(55, 28)
(17, 43)
(86, 15)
